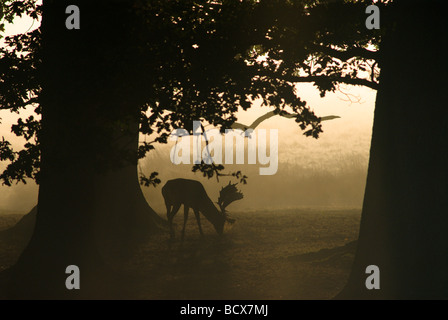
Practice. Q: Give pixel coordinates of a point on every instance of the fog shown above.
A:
(325, 172)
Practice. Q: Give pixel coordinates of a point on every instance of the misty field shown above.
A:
(287, 254)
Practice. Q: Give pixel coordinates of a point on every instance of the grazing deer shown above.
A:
(191, 194)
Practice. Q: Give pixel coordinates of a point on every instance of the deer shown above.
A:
(192, 194)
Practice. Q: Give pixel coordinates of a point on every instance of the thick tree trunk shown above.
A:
(123, 215)
(87, 221)
(405, 213)
(89, 196)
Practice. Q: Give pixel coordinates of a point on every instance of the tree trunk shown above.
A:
(89, 196)
(123, 215)
(405, 212)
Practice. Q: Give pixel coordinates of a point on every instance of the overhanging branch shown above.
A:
(341, 79)
(345, 55)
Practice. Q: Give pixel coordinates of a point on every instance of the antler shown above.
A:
(227, 195)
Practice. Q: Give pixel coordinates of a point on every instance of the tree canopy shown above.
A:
(198, 60)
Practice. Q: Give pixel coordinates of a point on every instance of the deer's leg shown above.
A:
(186, 209)
(171, 212)
(198, 219)
(169, 217)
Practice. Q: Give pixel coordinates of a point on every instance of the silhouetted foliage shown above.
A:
(152, 180)
(204, 61)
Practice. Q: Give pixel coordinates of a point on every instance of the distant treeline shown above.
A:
(294, 185)
(339, 182)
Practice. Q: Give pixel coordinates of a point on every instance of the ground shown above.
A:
(286, 254)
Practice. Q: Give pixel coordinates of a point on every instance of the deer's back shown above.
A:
(184, 191)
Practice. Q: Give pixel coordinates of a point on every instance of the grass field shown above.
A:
(264, 255)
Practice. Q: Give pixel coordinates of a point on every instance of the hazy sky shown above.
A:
(346, 137)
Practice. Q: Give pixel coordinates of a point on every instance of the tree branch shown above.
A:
(346, 54)
(353, 81)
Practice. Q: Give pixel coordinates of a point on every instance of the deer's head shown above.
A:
(227, 195)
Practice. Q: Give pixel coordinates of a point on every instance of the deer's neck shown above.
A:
(210, 211)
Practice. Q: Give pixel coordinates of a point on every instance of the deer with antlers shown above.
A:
(191, 194)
